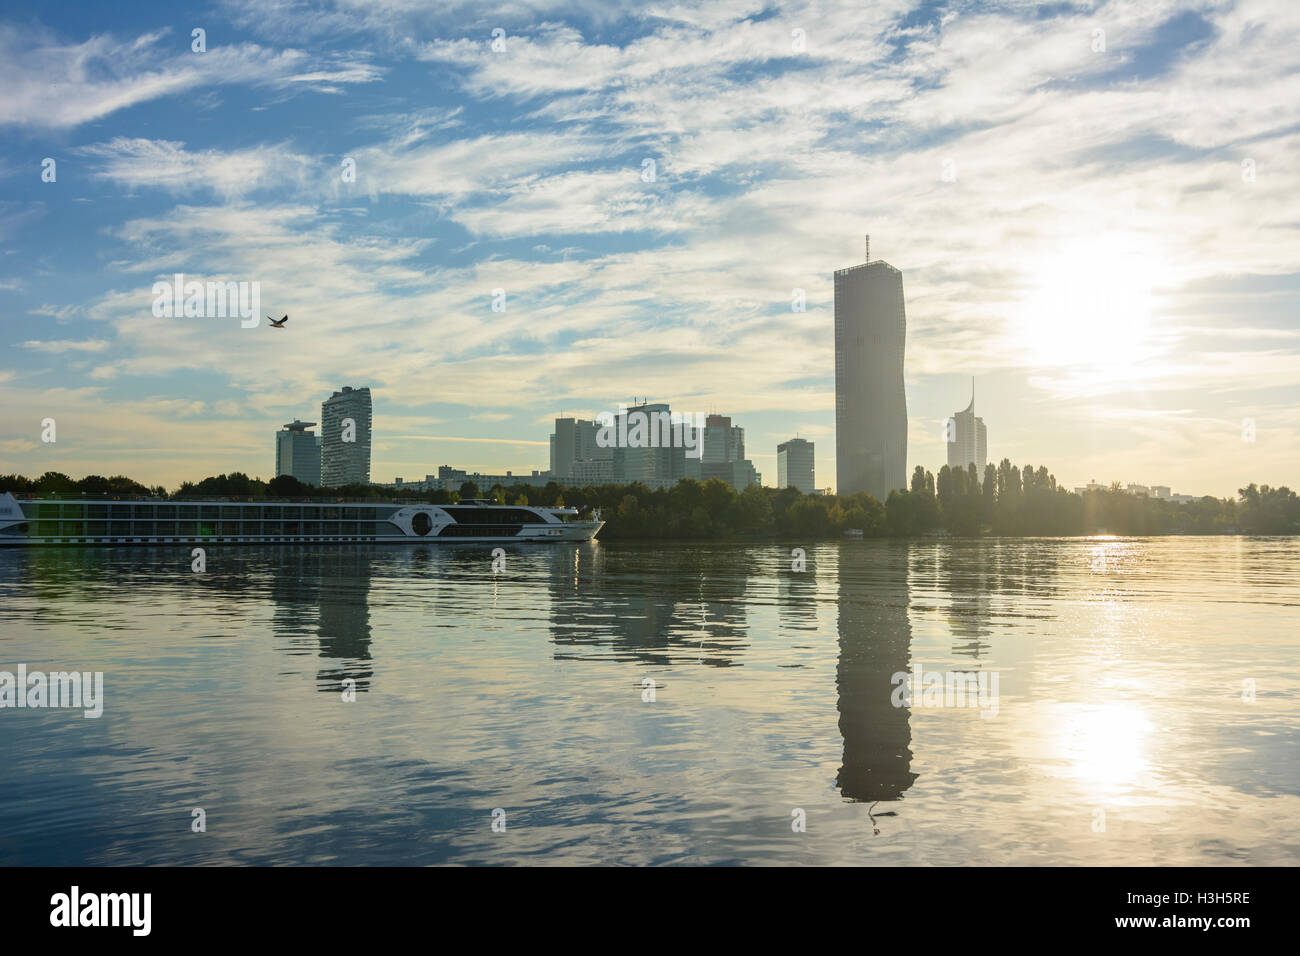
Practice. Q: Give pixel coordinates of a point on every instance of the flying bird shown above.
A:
(279, 324)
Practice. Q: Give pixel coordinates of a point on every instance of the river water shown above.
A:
(660, 704)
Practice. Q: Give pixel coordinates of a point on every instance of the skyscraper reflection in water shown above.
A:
(345, 618)
(331, 585)
(875, 643)
(614, 603)
(966, 578)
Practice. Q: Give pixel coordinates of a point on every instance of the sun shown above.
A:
(1089, 305)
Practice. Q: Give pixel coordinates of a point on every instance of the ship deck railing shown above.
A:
(245, 499)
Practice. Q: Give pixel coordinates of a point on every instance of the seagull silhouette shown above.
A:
(279, 324)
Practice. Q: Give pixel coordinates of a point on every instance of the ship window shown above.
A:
(421, 523)
(479, 530)
(490, 515)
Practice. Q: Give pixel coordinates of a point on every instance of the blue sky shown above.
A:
(1094, 207)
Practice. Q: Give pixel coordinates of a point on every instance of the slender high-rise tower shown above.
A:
(968, 438)
(345, 438)
(870, 404)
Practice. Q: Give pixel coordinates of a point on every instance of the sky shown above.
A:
(1095, 208)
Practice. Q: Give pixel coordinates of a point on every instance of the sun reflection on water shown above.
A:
(1105, 745)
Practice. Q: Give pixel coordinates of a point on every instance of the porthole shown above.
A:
(421, 523)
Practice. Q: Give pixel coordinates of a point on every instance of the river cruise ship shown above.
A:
(83, 521)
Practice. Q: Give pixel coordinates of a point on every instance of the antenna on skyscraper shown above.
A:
(867, 251)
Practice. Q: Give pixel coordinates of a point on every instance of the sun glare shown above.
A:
(1090, 305)
(1105, 745)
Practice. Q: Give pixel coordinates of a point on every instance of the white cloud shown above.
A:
(53, 84)
(770, 166)
(137, 163)
(67, 345)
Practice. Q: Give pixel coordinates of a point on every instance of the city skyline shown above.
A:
(611, 489)
(1102, 233)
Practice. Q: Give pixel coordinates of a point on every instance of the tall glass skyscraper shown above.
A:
(345, 451)
(870, 404)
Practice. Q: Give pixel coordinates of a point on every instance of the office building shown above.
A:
(739, 474)
(297, 452)
(345, 437)
(870, 402)
(650, 446)
(722, 440)
(723, 454)
(794, 465)
(574, 441)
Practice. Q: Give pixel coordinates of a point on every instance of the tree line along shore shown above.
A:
(1007, 501)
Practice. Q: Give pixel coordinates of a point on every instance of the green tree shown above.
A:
(900, 514)
(286, 486)
(55, 483)
(17, 484)
(989, 492)
(753, 511)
